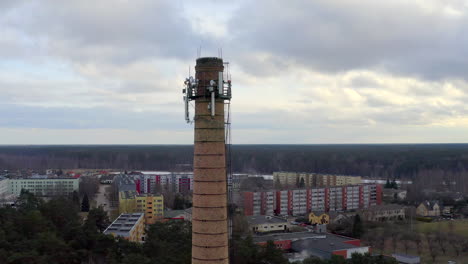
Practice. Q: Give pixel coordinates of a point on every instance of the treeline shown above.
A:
(38, 232)
(432, 162)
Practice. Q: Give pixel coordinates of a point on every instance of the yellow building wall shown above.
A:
(152, 207)
(319, 219)
(126, 205)
(138, 232)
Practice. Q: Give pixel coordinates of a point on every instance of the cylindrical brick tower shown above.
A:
(209, 216)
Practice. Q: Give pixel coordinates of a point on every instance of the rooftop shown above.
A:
(127, 194)
(385, 207)
(124, 224)
(326, 243)
(173, 213)
(265, 219)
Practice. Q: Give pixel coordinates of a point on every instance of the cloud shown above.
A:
(303, 72)
(425, 39)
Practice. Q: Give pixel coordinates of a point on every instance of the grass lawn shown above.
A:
(459, 227)
(456, 226)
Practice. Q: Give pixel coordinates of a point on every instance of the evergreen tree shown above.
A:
(277, 184)
(387, 184)
(76, 199)
(302, 183)
(99, 218)
(85, 204)
(271, 254)
(357, 227)
(394, 185)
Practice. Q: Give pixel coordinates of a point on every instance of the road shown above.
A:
(101, 198)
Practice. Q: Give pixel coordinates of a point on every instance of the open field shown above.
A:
(456, 226)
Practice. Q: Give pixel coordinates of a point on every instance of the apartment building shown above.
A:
(129, 226)
(298, 200)
(285, 179)
(283, 203)
(152, 206)
(302, 201)
(334, 199)
(44, 187)
(5, 193)
(259, 203)
(351, 197)
(317, 199)
(156, 182)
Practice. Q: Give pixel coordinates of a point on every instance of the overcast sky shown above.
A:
(322, 71)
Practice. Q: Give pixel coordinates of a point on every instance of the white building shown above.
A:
(44, 187)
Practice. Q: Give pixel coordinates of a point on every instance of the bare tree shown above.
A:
(456, 241)
(407, 238)
(417, 239)
(441, 240)
(395, 235)
(380, 239)
(432, 246)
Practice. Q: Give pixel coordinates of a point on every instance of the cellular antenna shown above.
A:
(210, 217)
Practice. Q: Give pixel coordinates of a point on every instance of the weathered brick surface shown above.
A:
(201, 108)
(209, 161)
(209, 215)
(209, 188)
(214, 228)
(209, 200)
(204, 240)
(209, 148)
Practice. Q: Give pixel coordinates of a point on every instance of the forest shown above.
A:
(49, 232)
(426, 163)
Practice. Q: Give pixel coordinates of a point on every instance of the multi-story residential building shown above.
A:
(151, 205)
(352, 197)
(252, 203)
(128, 226)
(299, 202)
(302, 201)
(317, 199)
(44, 186)
(156, 182)
(285, 179)
(268, 206)
(283, 203)
(5, 193)
(4, 187)
(334, 199)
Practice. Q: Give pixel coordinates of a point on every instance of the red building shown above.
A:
(304, 201)
(322, 245)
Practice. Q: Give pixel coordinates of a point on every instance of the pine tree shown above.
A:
(387, 184)
(302, 183)
(357, 227)
(394, 185)
(85, 204)
(76, 199)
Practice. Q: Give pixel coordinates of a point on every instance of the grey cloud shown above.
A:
(338, 36)
(112, 31)
(364, 82)
(18, 116)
